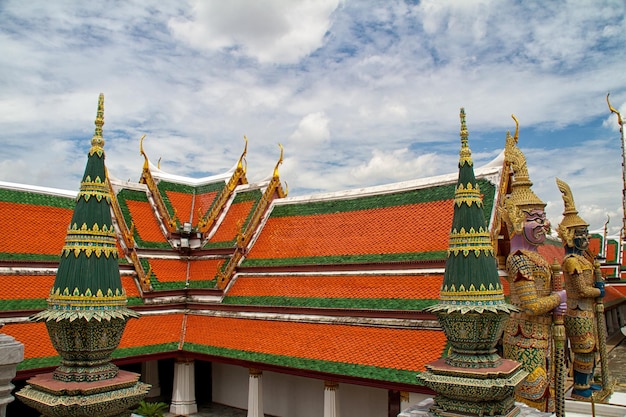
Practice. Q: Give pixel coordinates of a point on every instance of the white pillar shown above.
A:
(255, 393)
(150, 375)
(331, 400)
(11, 353)
(184, 392)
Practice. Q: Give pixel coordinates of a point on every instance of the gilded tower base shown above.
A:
(466, 392)
(107, 398)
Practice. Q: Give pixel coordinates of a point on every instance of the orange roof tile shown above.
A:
(203, 203)
(182, 203)
(396, 229)
(552, 252)
(169, 270)
(393, 348)
(18, 287)
(613, 294)
(45, 228)
(234, 219)
(130, 286)
(152, 330)
(204, 269)
(145, 221)
(361, 286)
(35, 338)
(594, 244)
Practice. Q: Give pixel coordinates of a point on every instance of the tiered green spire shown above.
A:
(88, 281)
(471, 281)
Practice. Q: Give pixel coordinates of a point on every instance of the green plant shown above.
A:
(151, 409)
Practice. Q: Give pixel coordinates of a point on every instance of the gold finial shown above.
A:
(97, 142)
(571, 220)
(465, 153)
(280, 161)
(159, 163)
(619, 116)
(516, 136)
(145, 157)
(242, 158)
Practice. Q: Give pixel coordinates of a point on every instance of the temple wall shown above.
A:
(294, 396)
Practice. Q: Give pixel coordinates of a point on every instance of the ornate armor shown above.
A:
(528, 333)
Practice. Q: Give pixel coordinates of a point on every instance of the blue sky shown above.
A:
(359, 93)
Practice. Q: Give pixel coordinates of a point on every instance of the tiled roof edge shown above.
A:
(488, 172)
(37, 189)
(337, 368)
(343, 303)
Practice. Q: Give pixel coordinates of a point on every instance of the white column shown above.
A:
(255, 393)
(331, 400)
(150, 375)
(184, 392)
(11, 353)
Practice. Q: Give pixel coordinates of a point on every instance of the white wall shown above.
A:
(293, 396)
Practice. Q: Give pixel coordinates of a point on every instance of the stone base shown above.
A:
(109, 398)
(463, 392)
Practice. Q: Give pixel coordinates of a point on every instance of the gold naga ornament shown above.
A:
(522, 197)
(571, 219)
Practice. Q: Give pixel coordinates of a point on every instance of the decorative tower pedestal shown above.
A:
(87, 312)
(473, 380)
(11, 354)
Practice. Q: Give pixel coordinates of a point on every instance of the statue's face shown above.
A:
(536, 226)
(581, 238)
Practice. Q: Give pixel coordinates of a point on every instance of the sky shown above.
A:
(359, 93)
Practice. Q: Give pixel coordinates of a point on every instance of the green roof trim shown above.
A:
(36, 363)
(343, 303)
(346, 259)
(6, 256)
(24, 304)
(144, 350)
(337, 368)
(38, 199)
(206, 283)
(50, 361)
(418, 196)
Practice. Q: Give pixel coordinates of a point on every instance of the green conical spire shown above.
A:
(471, 281)
(88, 281)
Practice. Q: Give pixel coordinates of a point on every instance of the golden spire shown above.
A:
(97, 141)
(465, 153)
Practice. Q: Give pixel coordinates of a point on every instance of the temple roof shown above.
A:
(332, 285)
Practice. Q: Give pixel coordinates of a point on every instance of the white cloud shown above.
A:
(271, 31)
(313, 130)
(397, 165)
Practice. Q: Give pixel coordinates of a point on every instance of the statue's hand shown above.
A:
(562, 295)
(600, 285)
(560, 309)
